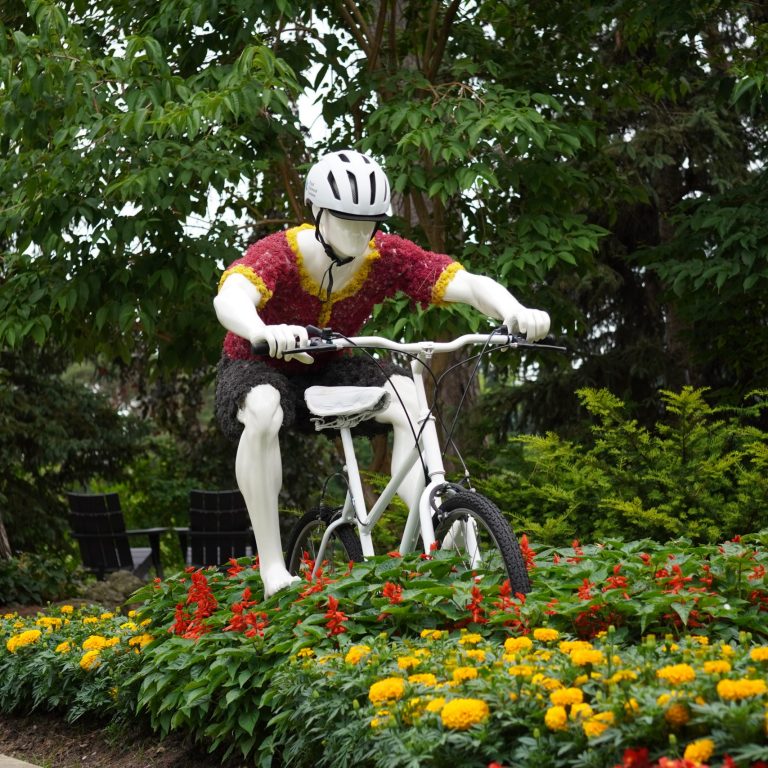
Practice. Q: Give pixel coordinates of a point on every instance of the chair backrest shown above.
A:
(224, 515)
(98, 525)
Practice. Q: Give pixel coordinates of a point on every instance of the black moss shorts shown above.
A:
(236, 378)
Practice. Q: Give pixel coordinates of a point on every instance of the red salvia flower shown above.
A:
(578, 553)
(393, 593)
(181, 620)
(584, 592)
(235, 567)
(676, 581)
(334, 618)
(635, 758)
(475, 606)
(527, 552)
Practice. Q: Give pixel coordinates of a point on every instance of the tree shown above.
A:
(588, 154)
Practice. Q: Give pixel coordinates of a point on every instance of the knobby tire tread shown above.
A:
(496, 524)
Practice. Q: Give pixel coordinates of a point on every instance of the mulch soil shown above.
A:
(48, 740)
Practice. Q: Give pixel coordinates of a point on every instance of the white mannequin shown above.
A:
(258, 465)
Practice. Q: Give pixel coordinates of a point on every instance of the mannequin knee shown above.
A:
(403, 396)
(262, 413)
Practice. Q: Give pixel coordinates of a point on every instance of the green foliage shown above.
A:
(701, 472)
(37, 579)
(56, 436)
(237, 672)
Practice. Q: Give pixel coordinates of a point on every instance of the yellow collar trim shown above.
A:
(312, 287)
(440, 287)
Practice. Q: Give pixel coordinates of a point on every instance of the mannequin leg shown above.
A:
(403, 435)
(259, 472)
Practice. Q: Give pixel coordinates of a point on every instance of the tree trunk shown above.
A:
(5, 544)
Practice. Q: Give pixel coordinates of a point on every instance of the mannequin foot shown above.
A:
(275, 579)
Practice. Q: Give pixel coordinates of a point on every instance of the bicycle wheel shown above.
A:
(473, 527)
(305, 538)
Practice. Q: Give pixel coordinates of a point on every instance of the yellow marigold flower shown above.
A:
(422, 653)
(305, 653)
(382, 718)
(716, 667)
(597, 725)
(90, 660)
(90, 620)
(699, 751)
(545, 634)
(25, 638)
(733, 690)
(548, 683)
(677, 714)
(9, 616)
(141, 641)
(460, 714)
(581, 680)
(408, 662)
(131, 614)
(726, 650)
(621, 675)
(436, 704)
(107, 615)
(517, 644)
(521, 670)
(431, 634)
(460, 674)
(556, 718)
(67, 608)
(425, 678)
(476, 654)
(631, 707)
(129, 625)
(357, 653)
(700, 639)
(470, 638)
(583, 656)
(145, 623)
(542, 655)
(677, 673)
(568, 646)
(64, 647)
(49, 622)
(564, 697)
(580, 711)
(97, 642)
(759, 654)
(388, 689)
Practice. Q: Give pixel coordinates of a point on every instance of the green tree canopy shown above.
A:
(603, 159)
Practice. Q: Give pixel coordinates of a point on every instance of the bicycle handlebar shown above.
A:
(324, 340)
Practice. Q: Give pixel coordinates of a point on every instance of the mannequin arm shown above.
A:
(235, 307)
(492, 299)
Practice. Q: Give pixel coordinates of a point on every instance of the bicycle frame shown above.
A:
(426, 450)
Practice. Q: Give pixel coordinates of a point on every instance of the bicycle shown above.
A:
(447, 515)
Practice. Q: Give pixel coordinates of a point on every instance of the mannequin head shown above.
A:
(349, 238)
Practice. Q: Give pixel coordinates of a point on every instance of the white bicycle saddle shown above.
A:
(338, 407)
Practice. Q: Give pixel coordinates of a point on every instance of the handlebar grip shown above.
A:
(316, 344)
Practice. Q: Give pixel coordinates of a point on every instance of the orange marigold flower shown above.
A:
(460, 674)
(716, 667)
(677, 714)
(388, 689)
(759, 654)
(583, 656)
(517, 644)
(564, 697)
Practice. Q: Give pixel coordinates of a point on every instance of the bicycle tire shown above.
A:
(498, 546)
(306, 535)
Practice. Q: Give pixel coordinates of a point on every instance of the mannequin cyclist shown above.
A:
(330, 274)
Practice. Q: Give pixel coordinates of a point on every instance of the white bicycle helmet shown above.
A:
(350, 185)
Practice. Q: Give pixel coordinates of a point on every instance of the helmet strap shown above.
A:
(336, 261)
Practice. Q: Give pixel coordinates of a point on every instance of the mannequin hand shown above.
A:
(534, 323)
(284, 338)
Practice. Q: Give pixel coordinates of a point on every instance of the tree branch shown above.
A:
(357, 26)
(379, 36)
(442, 39)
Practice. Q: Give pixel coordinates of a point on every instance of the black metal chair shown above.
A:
(97, 524)
(219, 529)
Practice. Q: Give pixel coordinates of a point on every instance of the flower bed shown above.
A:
(634, 654)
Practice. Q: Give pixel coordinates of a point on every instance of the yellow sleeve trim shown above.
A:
(441, 286)
(252, 278)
